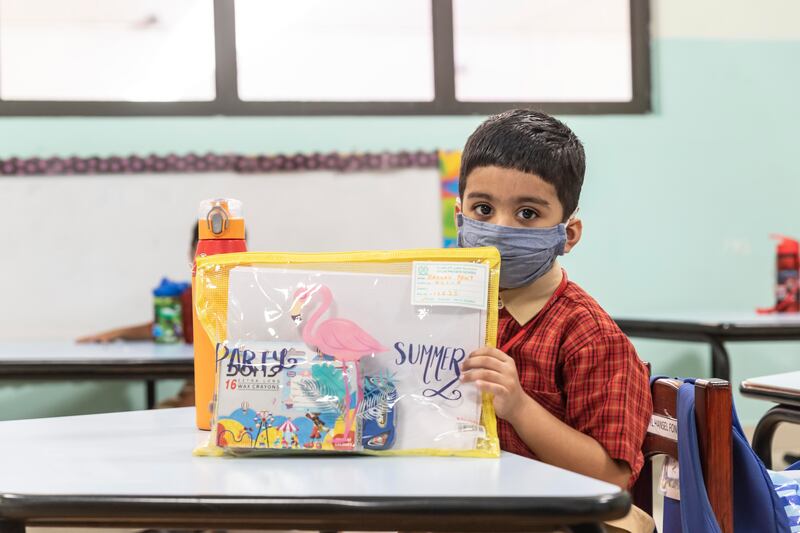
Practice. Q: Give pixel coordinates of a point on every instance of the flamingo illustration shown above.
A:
(343, 339)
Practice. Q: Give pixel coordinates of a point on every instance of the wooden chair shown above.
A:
(713, 417)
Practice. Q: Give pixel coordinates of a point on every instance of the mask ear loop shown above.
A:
(573, 216)
(460, 213)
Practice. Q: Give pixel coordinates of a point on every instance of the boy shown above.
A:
(568, 386)
(144, 332)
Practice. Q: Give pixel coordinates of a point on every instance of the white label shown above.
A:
(669, 484)
(450, 283)
(664, 426)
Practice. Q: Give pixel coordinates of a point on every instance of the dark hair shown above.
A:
(532, 142)
(195, 235)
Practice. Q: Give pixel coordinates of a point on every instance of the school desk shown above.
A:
(136, 470)
(714, 329)
(67, 360)
(783, 389)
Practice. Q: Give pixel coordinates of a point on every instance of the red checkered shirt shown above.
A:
(573, 359)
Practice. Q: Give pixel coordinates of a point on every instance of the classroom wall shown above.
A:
(96, 245)
(678, 204)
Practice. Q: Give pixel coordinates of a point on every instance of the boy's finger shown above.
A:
(489, 352)
(482, 351)
(483, 361)
(484, 375)
(492, 388)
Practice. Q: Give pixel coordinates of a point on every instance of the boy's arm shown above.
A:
(556, 443)
(552, 440)
(131, 333)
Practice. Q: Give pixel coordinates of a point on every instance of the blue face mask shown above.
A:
(526, 253)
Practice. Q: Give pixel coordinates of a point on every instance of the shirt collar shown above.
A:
(523, 303)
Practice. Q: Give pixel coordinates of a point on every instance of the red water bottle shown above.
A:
(221, 231)
(787, 288)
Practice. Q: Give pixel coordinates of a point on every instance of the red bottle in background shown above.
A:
(787, 289)
(221, 231)
(188, 326)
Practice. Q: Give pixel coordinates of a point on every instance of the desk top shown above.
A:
(150, 452)
(69, 351)
(131, 360)
(779, 388)
(146, 455)
(777, 326)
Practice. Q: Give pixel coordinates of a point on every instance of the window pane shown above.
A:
(107, 50)
(542, 50)
(345, 50)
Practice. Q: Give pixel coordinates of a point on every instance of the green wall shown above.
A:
(678, 204)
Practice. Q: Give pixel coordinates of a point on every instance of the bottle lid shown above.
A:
(220, 218)
(787, 245)
(170, 288)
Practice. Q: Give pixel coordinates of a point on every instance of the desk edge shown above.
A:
(415, 511)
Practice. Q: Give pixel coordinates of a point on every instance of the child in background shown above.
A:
(141, 332)
(568, 386)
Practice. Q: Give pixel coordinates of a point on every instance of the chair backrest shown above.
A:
(713, 408)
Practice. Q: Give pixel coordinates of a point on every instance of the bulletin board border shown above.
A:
(214, 163)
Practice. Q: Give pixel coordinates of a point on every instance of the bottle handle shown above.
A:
(218, 220)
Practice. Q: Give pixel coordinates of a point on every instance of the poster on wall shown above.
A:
(449, 164)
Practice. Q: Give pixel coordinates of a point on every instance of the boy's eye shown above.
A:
(483, 210)
(527, 213)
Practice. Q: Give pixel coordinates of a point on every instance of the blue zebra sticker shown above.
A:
(788, 490)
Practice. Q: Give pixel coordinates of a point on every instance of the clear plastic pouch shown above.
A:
(349, 352)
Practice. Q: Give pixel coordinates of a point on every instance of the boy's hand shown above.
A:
(102, 338)
(495, 372)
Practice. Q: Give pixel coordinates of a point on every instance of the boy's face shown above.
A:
(508, 197)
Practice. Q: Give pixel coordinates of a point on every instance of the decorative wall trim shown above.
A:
(193, 163)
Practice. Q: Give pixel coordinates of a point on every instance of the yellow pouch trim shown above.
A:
(211, 301)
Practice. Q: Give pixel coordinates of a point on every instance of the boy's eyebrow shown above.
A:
(484, 195)
(531, 200)
(517, 200)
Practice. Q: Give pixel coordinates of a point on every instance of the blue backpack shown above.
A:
(757, 505)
